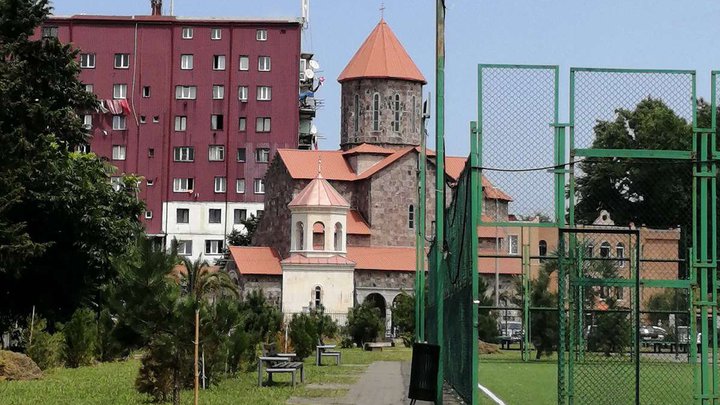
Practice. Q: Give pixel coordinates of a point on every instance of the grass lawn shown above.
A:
(112, 383)
(597, 381)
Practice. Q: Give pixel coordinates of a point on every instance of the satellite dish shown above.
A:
(314, 64)
(309, 73)
(313, 129)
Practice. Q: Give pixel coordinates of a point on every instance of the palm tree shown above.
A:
(201, 282)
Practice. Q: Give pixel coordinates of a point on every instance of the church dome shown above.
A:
(319, 193)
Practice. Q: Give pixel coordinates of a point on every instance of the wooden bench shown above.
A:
(375, 346)
(322, 350)
(287, 367)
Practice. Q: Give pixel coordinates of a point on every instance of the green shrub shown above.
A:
(109, 346)
(47, 349)
(403, 314)
(81, 338)
(364, 323)
(307, 330)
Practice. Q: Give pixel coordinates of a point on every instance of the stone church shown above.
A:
(339, 225)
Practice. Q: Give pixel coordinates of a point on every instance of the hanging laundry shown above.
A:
(111, 106)
(125, 106)
(101, 107)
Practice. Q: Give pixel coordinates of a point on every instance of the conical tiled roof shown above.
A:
(381, 56)
(319, 193)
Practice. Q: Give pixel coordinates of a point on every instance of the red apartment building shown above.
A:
(198, 107)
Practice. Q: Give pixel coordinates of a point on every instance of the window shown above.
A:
(620, 254)
(513, 244)
(118, 152)
(262, 124)
(122, 60)
(186, 62)
(183, 185)
(87, 60)
(241, 154)
(542, 249)
(151, 152)
(317, 297)
(119, 123)
(215, 33)
(605, 249)
(146, 91)
(244, 63)
(184, 153)
(220, 184)
(218, 92)
(117, 183)
(240, 215)
(82, 148)
(150, 182)
(261, 35)
(218, 62)
(214, 215)
(184, 247)
(185, 92)
(87, 121)
(187, 33)
(303, 66)
(300, 235)
(337, 240)
(89, 88)
(180, 123)
(49, 32)
(243, 93)
(213, 247)
(411, 216)
(119, 91)
(262, 155)
(259, 186)
(589, 250)
(264, 93)
(240, 186)
(242, 124)
(263, 63)
(356, 118)
(216, 153)
(376, 112)
(156, 118)
(216, 122)
(143, 119)
(182, 215)
(259, 213)
(396, 113)
(148, 214)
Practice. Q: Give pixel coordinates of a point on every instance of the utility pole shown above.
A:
(420, 234)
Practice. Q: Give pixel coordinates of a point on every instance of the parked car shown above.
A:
(511, 330)
(651, 332)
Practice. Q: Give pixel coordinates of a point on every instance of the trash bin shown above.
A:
(423, 373)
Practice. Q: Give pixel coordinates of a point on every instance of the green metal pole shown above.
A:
(440, 188)
(476, 197)
(561, 392)
(526, 300)
(420, 238)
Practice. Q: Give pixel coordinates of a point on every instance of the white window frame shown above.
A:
(183, 184)
(214, 247)
(119, 152)
(183, 154)
(146, 91)
(243, 93)
(117, 183)
(148, 214)
(184, 247)
(89, 88)
(620, 254)
(220, 184)
(244, 63)
(218, 92)
(264, 93)
(87, 121)
(185, 92)
(262, 155)
(119, 91)
(180, 123)
(121, 61)
(218, 62)
(244, 155)
(264, 63)
(262, 124)
(513, 244)
(259, 186)
(187, 61)
(216, 153)
(87, 61)
(219, 217)
(215, 34)
(261, 35)
(185, 217)
(242, 124)
(217, 122)
(119, 123)
(187, 33)
(240, 186)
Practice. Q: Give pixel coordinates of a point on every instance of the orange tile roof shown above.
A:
(382, 258)
(356, 224)
(382, 56)
(368, 148)
(319, 193)
(384, 163)
(297, 258)
(256, 260)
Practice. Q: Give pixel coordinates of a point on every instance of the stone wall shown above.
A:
(271, 287)
(404, 280)
(409, 133)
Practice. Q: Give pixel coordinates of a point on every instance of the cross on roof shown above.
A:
(382, 10)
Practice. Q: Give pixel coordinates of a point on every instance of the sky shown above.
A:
(667, 34)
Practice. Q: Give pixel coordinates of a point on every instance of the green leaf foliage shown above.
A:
(309, 330)
(81, 338)
(46, 349)
(364, 323)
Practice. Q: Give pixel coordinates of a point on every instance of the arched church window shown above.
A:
(396, 113)
(318, 236)
(357, 113)
(317, 297)
(338, 236)
(299, 235)
(620, 254)
(411, 216)
(605, 250)
(376, 112)
(414, 114)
